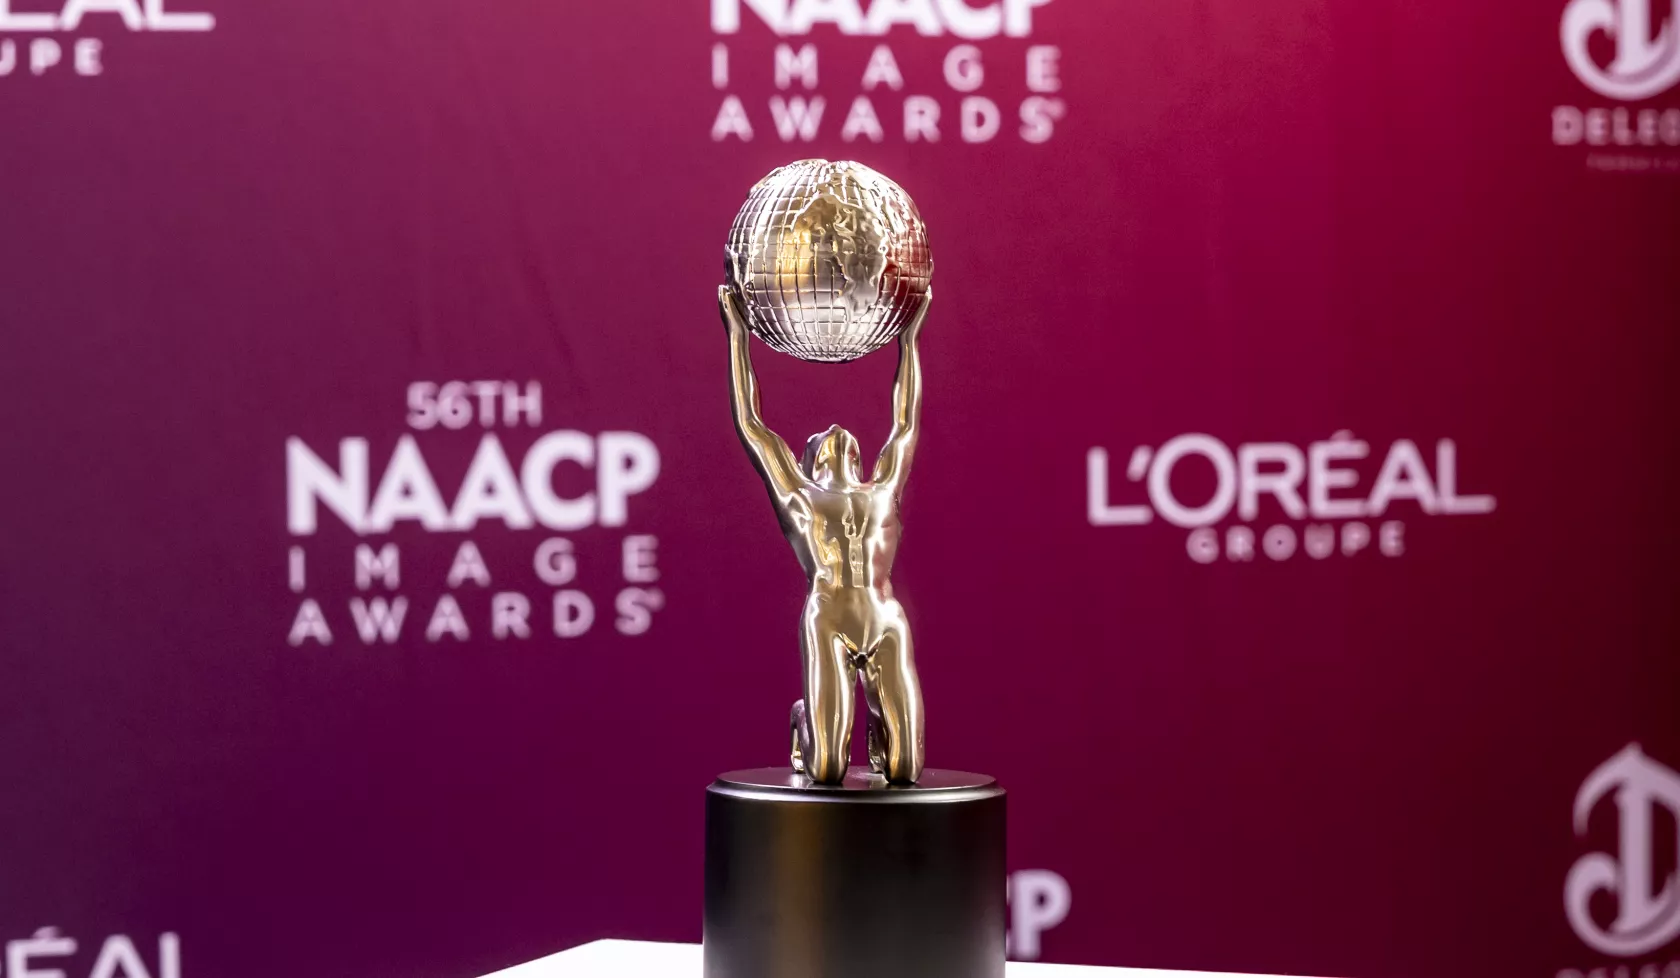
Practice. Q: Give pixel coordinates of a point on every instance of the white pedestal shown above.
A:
(645, 959)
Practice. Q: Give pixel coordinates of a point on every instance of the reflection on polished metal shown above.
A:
(828, 260)
(848, 275)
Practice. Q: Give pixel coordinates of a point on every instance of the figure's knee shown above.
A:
(823, 748)
(905, 766)
(832, 772)
(826, 764)
(906, 750)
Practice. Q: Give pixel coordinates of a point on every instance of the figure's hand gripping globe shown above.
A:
(828, 260)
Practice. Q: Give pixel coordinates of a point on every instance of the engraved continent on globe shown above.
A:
(828, 260)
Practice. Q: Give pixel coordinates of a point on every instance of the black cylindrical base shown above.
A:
(860, 880)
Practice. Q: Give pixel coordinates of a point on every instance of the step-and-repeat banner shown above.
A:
(381, 581)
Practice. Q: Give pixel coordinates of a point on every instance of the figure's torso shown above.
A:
(845, 537)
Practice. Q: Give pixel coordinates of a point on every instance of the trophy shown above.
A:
(820, 869)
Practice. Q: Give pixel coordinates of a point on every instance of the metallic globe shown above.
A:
(828, 260)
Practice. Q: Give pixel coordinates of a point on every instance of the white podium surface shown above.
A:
(645, 959)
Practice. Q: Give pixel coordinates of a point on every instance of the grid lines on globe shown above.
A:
(830, 260)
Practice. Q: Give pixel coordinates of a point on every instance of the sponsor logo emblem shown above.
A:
(1629, 51)
(1325, 498)
(1647, 907)
(44, 53)
(1647, 55)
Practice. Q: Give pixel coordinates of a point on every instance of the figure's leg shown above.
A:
(800, 728)
(877, 743)
(889, 679)
(877, 749)
(829, 678)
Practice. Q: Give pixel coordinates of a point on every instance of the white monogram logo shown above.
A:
(1646, 918)
(1645, 62)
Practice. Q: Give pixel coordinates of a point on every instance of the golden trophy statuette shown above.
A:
(828, 262)
(817, 872)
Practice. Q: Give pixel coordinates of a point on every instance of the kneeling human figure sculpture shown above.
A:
(828, 261)
(845, 532)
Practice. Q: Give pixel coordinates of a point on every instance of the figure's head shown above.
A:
(831, 454)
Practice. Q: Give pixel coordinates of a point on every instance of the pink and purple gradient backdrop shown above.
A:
(1263, 219)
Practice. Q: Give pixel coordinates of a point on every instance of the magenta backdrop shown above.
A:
(1264, 221)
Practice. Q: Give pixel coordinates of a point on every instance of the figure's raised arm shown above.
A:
(770, 454)
(894, 463)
